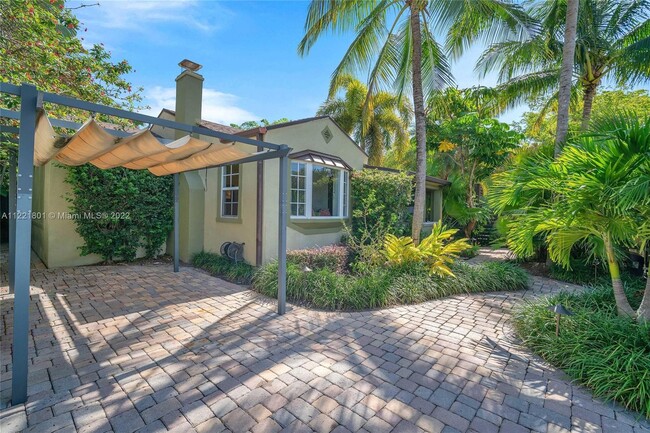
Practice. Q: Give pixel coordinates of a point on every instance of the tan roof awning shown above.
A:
(142, 150)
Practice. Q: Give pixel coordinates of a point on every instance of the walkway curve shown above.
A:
(138, 348)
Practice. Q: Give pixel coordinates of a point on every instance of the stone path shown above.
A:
(139, 348)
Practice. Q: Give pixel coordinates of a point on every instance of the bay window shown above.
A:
(318, 191)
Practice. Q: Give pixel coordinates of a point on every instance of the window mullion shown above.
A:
(341, 189)
(308, 190)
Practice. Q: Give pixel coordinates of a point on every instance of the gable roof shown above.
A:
(219, 127)
(314, 118)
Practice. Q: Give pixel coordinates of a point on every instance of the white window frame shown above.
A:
(225, 188)
(343, 193)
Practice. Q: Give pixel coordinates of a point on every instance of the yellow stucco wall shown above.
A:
(300, 233)
(54, 238)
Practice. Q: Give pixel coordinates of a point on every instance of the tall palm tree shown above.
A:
(394, 41)
(612, 41)
(566, 74)
(387, 126)
(603, 187)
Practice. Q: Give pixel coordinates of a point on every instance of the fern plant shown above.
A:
(438, 250)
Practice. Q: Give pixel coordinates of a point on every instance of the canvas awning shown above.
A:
(142, 150)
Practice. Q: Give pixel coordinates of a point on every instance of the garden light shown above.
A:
(559, 311)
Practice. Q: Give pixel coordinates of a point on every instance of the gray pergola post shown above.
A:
(12, 218)
(282, 235)
(23, 242)
(177, 230)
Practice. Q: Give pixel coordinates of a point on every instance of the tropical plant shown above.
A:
(612, 41)
(438, 250)
(396, 38)
(596, 193)
(387, 126)
(538, 127)
(469, 146)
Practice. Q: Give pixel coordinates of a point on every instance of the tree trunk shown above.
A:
(622, 304)
(643, 313)
(588, 101)
(566, 75)
(420, 128)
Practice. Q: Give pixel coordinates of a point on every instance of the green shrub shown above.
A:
(470, 252)
(334, 258)
(380, 201)
(385, 286)
(607, 353)
(121, 210)
(220, 266)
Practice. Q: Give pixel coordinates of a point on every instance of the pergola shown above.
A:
(106, 148)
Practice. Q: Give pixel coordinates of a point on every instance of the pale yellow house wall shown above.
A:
(303, 233)
(54, 238)
(242, 229)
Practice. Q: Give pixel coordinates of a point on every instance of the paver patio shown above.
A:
(139, 348)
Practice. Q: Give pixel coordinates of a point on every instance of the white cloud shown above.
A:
(143, 17)
(217, 106)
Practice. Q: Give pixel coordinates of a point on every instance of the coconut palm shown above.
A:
(387, 126)
(394, 41)
(602, 198)
(566, 74)
(612, 41)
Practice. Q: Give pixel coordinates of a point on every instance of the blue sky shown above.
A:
(247, 49)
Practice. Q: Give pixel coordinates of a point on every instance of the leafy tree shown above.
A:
(540, 128)
(601, 183)
(613, 41)
(39, 44)
(250, 124)
(394, 41)
(386, 126)
(469, 146)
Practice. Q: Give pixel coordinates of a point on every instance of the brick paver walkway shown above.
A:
(139, 348)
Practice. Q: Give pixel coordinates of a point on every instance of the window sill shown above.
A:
(318, 218)
(224, 219)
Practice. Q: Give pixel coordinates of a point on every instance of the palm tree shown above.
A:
(602, 191)
(566, 74)
(612, 41)
(394, 41)
(387, 126)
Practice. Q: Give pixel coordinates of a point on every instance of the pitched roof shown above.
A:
(230, 130)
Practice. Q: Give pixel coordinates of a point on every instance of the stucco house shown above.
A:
(238, 203)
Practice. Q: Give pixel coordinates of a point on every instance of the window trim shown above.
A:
(223, 188)
(344, 202)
